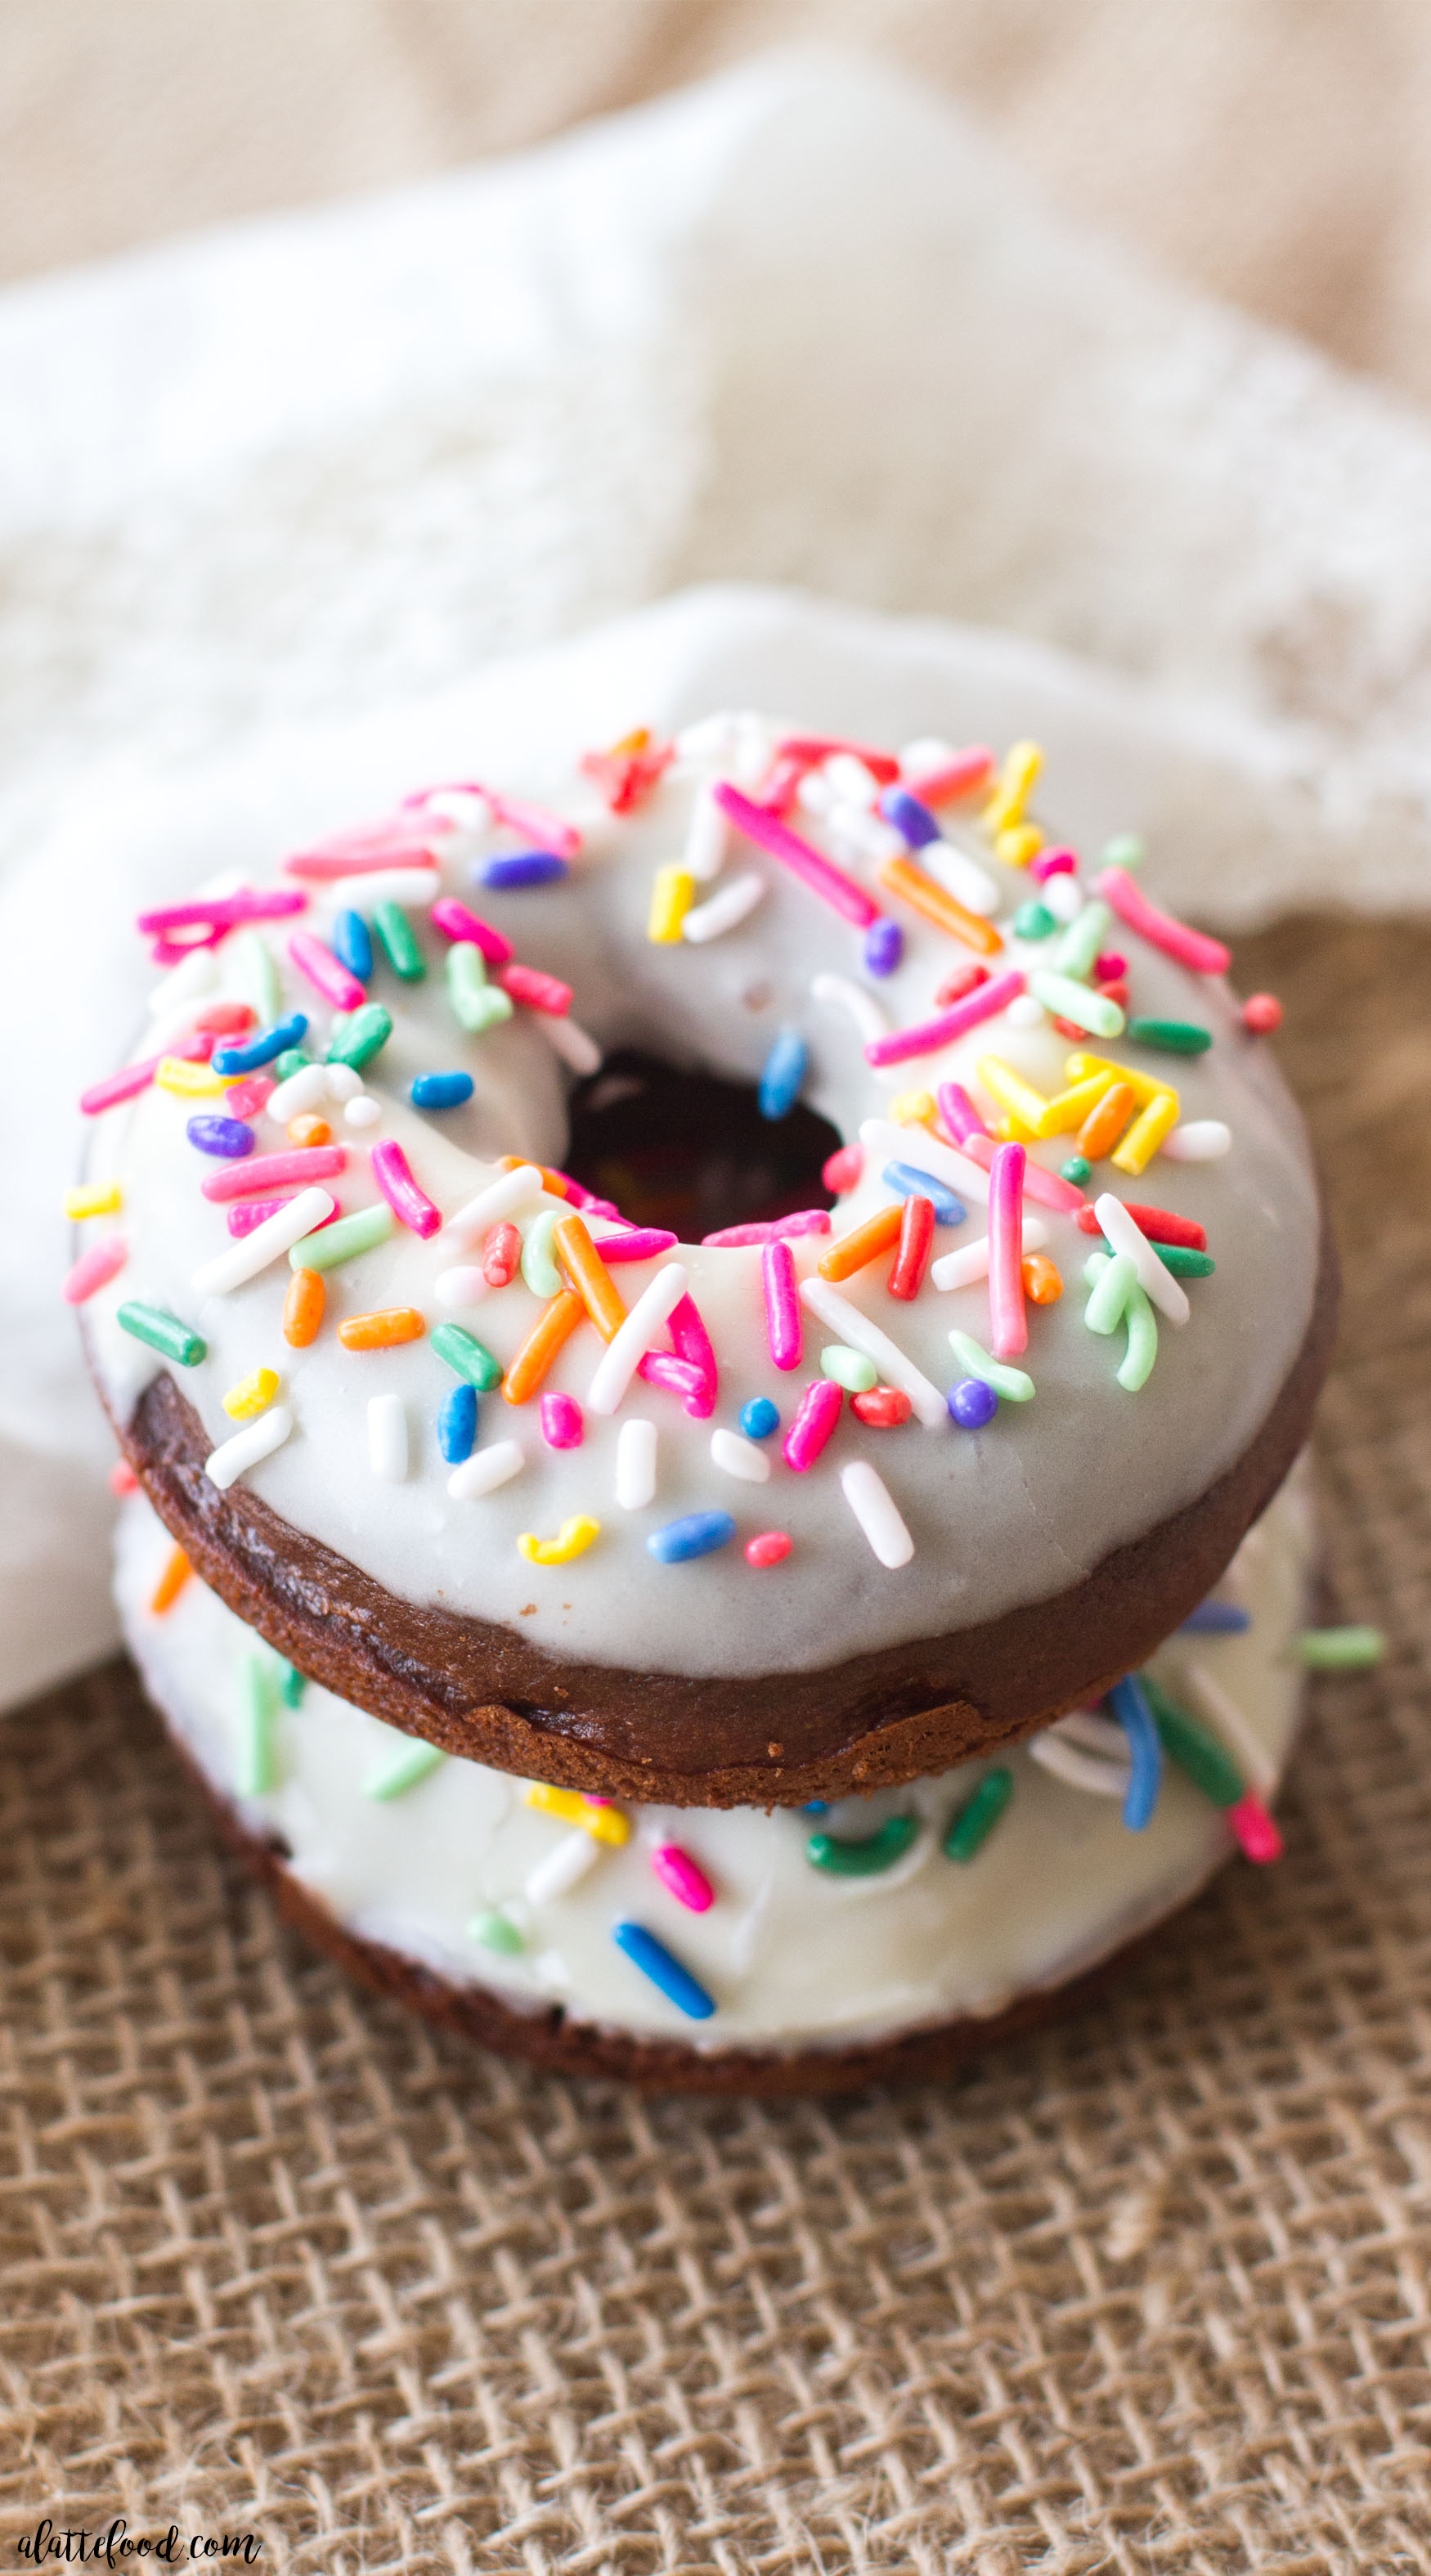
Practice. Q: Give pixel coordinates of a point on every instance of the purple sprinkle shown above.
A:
(520, 868)
(228, 1137)
(972, 1403)
(911, 819)
(884, 947)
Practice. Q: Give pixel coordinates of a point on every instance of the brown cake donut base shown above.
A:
(486, 1693)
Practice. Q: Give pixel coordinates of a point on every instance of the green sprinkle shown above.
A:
(1340, 1650)
(291, 1685)
(252, 976)
(539, 1270)
(1070, 1001)
(469, 1357)
(1180, 1258)
(1125, 850)
(1142, 1326)
(402, 1770)
(477, 1004)
(399, 944)
(1208, 1764)
(1077, 1169)
(849, 1369)
(292, 1060)
(1174, 1037)
(1083, 939)
(1033, 921)
(972, 1824)
(867, 1857)
(358, 1039)
(1104, 1310)
(256, 1769)
(163, 1332)
(1011, 1383)
(495, 1930)
(343, 1240)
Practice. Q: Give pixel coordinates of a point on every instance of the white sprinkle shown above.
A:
(1062, 896)
(500, 1198)
(619, 1361)
(961, 876)
(752, 749)
(740, 1457)
(1080, 1770)
(636, 1464)
(561, 1867)
(864, 836)
(1093, 1732)
(891, 1144)
(1197, 1140)
(457, 1289)
(815, 795)
(258, 1439)
(363, 1110)
(303, 1090)
(1224, 1715)
(722, 911)
(278, 1233)
(1155, 1280)
(485, 1470)
(344, 1081)
(707, 837)
(870, 1019)
(411, 887)
(852, 782)
(711, 737)
(849, 1325)
(387, 1438)
(925, 757)
(567, 1038)
(874, 1507)
(1025, 1013)
(971, 1262)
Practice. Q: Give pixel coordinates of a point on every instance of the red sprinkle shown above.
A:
(882, 1407)
(1262, 1013)
(122, 1478)
(538, 992)
(916, 1233)
(1160, 1225)
(809, 749)
(501, 1252)
(771, 1548)
(625, 778)
(843, 1169)
(964, 980)
(960, 776)
(225, 1019)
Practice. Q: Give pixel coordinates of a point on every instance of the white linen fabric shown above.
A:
(799, 325)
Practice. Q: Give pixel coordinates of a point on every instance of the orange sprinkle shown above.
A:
(1043, 1280)
(171, 1582)
(865, 1244)
(553, 1182)
(308, 1130)
(1104, 1125)
(303, 1308)
(380, 1331)
(552, 1327)
(924, 895)
(589, 1275)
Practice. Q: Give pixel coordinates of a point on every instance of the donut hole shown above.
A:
(677, 1147)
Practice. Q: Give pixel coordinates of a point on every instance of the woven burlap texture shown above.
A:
(1147, 2292)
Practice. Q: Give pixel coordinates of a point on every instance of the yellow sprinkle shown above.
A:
(572, 1539)
(1146, 1133)
(251, 1395)
(1019, 843)
(673, 891)
(912, 1109)
(1021, 766)
(1025, 1107)
(604, 1824)
(1081, 1067)
(1068, 1109)
(102, 1198)
(191, 1081)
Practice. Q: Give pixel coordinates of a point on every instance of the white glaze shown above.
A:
(793, 1958)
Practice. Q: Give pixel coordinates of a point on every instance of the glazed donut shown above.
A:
(857, 1496)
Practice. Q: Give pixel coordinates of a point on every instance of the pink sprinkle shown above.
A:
(131, 1079)
(1053, 863)
(684, 1877)
(252, 1212)
(843, 1169)
(535, 823)
(773, 1229)
(455, 922)
(983, 1004)
(1190, 947)
(326, 973)
(781, 783)
(958, 777)
(640, 1243)
(818, 1413)
(1108, 967)
(782, 1305)
(358, 859)
(246, 1098)
(778, 842)
(1044, 1186)
(662, 1368)
(122, 1478)
(771, 1548)
(410, 1205)
(1008, 1325)
(221, 912)
(562, 1425)
(94, 1269)
(536, 991)
(1255, 1829)
(959, 1113)
(693, 1345)
(244, 1179)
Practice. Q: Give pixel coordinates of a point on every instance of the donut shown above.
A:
(755, 1950)
(557, 1471)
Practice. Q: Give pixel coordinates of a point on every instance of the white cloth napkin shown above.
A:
(800, 324)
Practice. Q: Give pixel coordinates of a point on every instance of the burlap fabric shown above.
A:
(1148, 2292)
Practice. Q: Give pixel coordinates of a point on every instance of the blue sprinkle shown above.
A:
(908, 816)
(263, 1047)
(759, 1418)
(1130, 1707)
(884, 947)
(699, 1534)
(972, 1403)
(227, 1136)
(457, 1423)
(441, 1090)
(783, 1073)
(816, 1807)
(908, 1181)
(1216, 1619)
(350, 940)
(520, 868)
(655, 1961)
